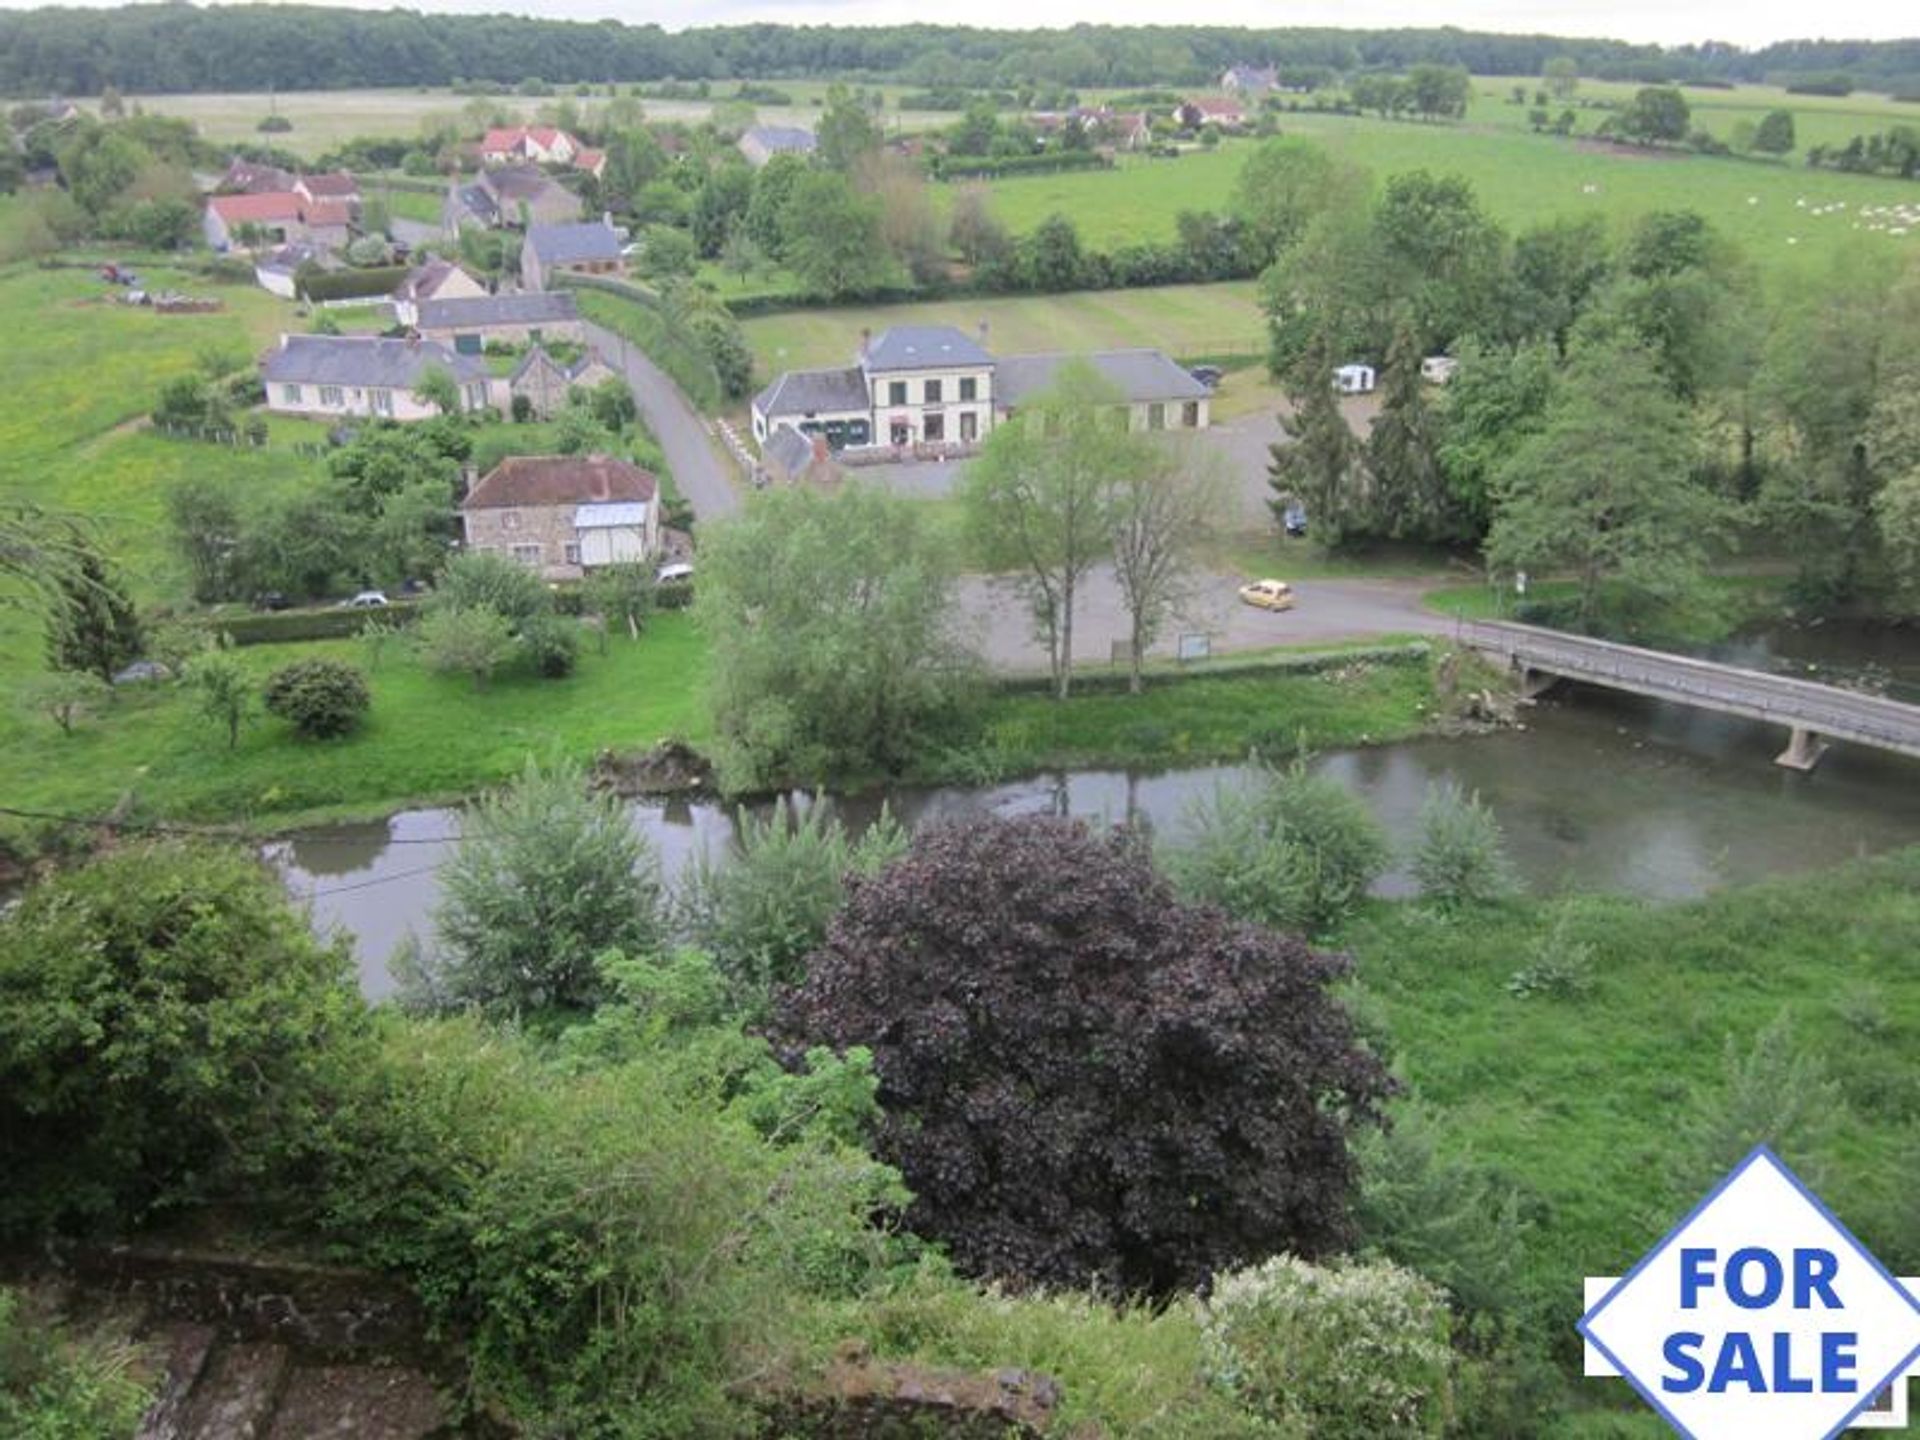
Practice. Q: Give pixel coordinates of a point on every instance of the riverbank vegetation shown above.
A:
(1569, 1073)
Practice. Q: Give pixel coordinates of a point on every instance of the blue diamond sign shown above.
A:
(1759, 1316)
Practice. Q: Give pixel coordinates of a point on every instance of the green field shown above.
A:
(1521, 178)
(1184, 320)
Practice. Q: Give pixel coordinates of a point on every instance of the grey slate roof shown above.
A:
(782, 138)
(532, 308)
(574, 243)
(477, 202)
(923, 347)
(1139, 375)
(811, 392)
(518, 182)
(364, 361)
(789, 449)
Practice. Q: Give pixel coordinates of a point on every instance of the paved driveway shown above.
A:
(706, 478)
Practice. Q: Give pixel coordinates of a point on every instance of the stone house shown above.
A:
(435, 280)
(523, 196)
(332, 377)
(548, 385)
(1158, 393)
(469, 323)
(588, 248)
(761, 143)
(790, 458)
(562, 515)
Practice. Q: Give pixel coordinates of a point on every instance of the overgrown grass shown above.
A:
(649, 328)
(1725, 603)
(1361, 700)
(1578, 1100)
(427, 736)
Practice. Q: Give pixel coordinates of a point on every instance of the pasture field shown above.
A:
(1184, 320)
(1521, 178)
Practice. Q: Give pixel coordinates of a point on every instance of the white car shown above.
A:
(672, 574)
(365, 600)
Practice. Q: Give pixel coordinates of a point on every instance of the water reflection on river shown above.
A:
(1601, 792)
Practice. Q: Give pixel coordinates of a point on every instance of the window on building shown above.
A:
(332, 396)
(933, 392)
(969, 388)
(572, 552)
(477, 395)
(528, 555)
(1190, 415)
(897, 392)
(969, 427)
(1156, 416)
(381, 400)
(933, 427)
(290, 394)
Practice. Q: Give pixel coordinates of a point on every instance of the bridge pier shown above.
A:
(1804, 749)
(1535, 683)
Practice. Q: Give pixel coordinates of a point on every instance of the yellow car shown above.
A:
(1267, 595)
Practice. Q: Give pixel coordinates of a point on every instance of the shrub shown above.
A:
(59, 1385)
(1773, 1092)
(165, 1024)
(1461, 857)
(472, 640)
(1068, 1056)
(1292, 850)
(1346, 1352)
(66, 697)
(548, 875)
(482, 578)
(552, 644)
(274, 125)
(321, 699)
(762, 911)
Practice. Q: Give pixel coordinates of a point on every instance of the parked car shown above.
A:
(365, 600)
(678, 572)
(1208, 375)
(1295, 521)
(271, 600)
(1268, 594)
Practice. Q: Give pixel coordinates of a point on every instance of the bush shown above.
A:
(552, 644)
(761, 912)
(1068, 1056)
(482, 579)
(58, 1385)
(1292, 850)
(317, 285)
(1461, 857)
(165, 1026)
(471, 640)
(321, 699)
(274, 125)
(547, 877)
(1345, 1352)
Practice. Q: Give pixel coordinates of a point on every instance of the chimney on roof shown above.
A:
(866, 341)
(983, 334)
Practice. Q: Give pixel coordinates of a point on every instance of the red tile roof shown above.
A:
(527, 481)
(335, 184)
(244, 209)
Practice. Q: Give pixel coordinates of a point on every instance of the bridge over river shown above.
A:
(1813, 714)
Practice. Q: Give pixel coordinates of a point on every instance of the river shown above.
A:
(1600, 792)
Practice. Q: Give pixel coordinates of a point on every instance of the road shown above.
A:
(705, 477)
(1326, 612)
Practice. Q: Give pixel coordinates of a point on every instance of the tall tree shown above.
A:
(1283, 184)
(831, 237)
(1085, 1081)
(1775, 133)
(1411, 500)
(1161, 514)
(1656, 114)
(1606, 488)
(91, 623)
(1035, 500)
(1316, 461)
(846, 133)
(832, 626)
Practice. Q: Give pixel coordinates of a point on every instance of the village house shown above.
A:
(547, 385)
(278, 271)
(434, 280)
(469, 323)
(336, 187)
(763, 142)
(1251, 81)
(335, 376)
(1223, 114)
(587, 248)
(540, 144)
(521, 196)
(253, 177)
(562, 515)
(935, 388)
(790, 458)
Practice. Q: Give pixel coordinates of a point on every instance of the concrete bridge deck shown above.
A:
(1813, 714)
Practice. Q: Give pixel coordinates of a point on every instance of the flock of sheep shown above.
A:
(1888, 219)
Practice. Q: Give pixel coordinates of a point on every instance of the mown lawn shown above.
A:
(1583, 1101)
(1183, 320)
(1521, 178)
(427, 736)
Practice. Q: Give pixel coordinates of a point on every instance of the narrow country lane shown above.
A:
(704, 476)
